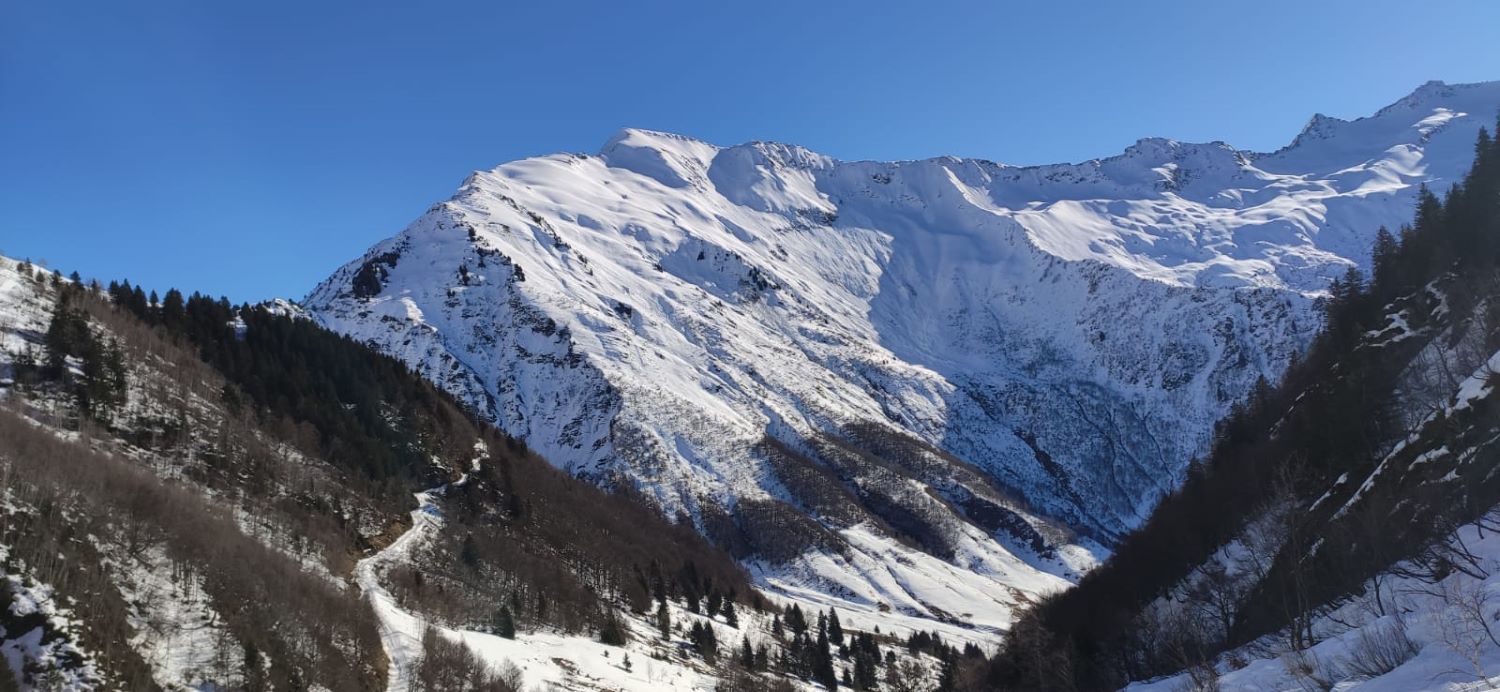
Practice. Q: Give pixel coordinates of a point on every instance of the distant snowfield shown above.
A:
(651, 313)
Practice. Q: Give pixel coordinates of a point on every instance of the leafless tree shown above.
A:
(1466, 624)
(907, 675)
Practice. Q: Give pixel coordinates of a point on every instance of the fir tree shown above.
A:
(823, 670)
(864, 671)
(948, 675)
(469, 553)
(704, 641)
(796, 620)
(1384, 260)
(172, 310)
(663, 620)
(138, 304)
(505, 623)
(658, 584)
(612, 631)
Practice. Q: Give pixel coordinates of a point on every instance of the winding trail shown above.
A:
(400, 631)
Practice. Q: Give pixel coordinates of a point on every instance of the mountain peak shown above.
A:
(1319, 126)
(1440, 94)
(671, 159)
(643, 137)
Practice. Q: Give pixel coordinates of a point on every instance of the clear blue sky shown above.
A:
(249, 148)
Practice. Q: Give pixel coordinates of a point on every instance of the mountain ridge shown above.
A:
(653, 314)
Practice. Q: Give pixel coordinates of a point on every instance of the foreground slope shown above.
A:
(200, 496)
(968, 375)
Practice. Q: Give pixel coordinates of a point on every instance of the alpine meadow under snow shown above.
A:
(928, 389)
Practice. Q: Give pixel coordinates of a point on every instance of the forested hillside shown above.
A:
(1376, 445)
(181, 458)
(201, 494)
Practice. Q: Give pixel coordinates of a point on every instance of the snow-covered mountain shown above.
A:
(935, 387)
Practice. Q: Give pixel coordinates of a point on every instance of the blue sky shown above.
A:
(248, 149)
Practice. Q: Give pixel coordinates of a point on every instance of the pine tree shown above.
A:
(505, 623)
(172, 312)
(835, 630)
(747, 655)
(469, 553)
(67, 335)
(255, 672)
(138, 304)
(796, 620)
(1429, 209)
(823, 670)
(658, 584)
(663, 620)
(864, 671)
(704, 641)
(948, 675)
(731, 618)
(612, 631)
(111, 387)
(1384, 260)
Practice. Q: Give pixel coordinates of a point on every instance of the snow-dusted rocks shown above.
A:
(946, 351)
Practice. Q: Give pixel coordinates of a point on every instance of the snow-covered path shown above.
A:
(400, 631)
(546, 658)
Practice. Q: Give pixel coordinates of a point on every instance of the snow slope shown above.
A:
(1050, 345)
(1447, 622)
(544, 658)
